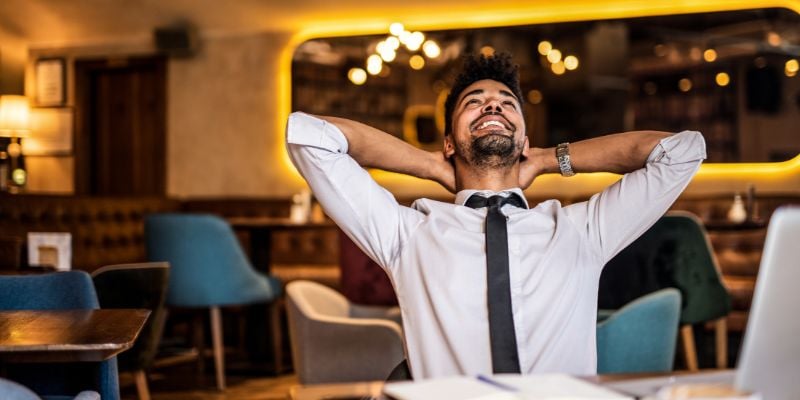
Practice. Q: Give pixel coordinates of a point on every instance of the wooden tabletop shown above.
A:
(68, 335)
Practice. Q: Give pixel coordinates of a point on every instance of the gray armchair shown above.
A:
(334, 340)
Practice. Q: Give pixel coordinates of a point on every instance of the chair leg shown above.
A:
(199, 342)
(277, 333)
(141, 385)
(721, 330)
(219, 351)
(689, 351)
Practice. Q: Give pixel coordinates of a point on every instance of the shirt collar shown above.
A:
(464, 195)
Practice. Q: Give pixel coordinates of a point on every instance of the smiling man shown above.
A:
(487, 283)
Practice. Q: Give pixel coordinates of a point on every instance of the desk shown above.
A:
(261, 229)
(68, 335)
(367, 390)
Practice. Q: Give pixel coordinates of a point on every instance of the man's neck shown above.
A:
(495, 179)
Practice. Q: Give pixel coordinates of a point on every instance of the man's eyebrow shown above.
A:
(476, 91)
(508, 94)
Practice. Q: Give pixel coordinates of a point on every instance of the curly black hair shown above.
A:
(497, 67)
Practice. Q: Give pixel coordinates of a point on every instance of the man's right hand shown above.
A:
(442, 171)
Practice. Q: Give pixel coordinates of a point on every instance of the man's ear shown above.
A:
(526, 149)
(449, 148)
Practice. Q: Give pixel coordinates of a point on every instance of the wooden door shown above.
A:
(121, 127)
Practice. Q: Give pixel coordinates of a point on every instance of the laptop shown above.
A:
(770, 357)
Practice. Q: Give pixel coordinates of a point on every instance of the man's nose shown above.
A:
(492, 106)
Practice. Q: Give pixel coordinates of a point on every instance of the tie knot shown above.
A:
(496, 201)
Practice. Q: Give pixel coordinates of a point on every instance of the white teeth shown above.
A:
(489, 123)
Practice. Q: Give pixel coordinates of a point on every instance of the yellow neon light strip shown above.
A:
(526, 13)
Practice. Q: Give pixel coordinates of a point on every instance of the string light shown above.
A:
(558, 68)
(710, 55)
(685, 85)
(396, 28)
(393, 42)
(535, 96)
(791, 68)
(374, 64)
(357, 75)
(571, 63)
(545, 47)
(554, 56)
(723, 79)
(416, 62)
(431, 49)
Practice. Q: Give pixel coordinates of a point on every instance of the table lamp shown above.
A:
(14, 124)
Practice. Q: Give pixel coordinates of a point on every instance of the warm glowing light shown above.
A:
(487, 51)
(431, 49)
(388, 55)
(396, 28)
(416, 61)
(545, 47)
(374, 64)
(685, 85)
(404, 36)
(554, 56)
(415, 41)
(660, 50)
(14, 115)
(723, 79)
(381, 47)
(571, 62)
(774, 39)
(535, 96)
(357, 75)
(792, 66)
(710, 55)
(19, 176)
(393, 42)
(558, 68)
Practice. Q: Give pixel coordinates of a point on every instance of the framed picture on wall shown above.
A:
(51, 82)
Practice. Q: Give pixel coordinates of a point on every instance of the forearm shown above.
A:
(373, 148)
(618, 153)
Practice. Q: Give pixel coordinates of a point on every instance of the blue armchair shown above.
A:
(209, 269)
(58, 291)
(641, 336)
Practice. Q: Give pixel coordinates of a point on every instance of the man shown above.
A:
(435, 253)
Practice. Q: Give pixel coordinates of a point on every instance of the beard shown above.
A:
(494, 151)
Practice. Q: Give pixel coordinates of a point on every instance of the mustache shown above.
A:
(474, 124)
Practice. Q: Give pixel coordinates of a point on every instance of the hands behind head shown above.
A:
(442, 171)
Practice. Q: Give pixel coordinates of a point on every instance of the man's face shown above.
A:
(488, 127)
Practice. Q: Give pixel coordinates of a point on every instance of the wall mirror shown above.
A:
(731, 75)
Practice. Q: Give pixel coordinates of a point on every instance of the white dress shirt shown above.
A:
(434, 253)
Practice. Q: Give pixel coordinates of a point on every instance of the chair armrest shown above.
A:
(390, 313)
(349, 350)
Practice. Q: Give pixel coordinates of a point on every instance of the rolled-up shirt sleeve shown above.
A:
(366, 212)
(615, 217)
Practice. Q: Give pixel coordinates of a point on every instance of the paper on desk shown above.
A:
(530, 387)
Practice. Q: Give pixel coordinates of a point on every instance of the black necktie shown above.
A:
(501, 320)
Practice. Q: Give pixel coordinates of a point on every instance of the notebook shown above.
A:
(501, 387)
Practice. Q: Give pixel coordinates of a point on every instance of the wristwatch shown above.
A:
(562, 156)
